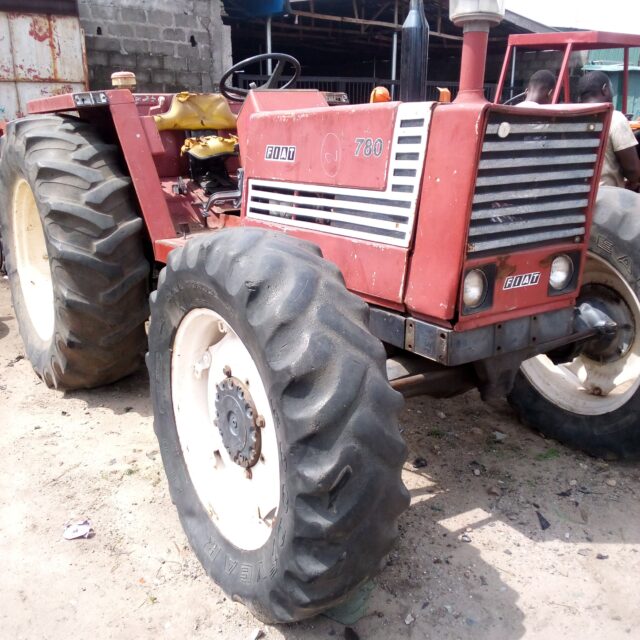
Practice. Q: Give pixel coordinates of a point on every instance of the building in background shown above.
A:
(352, 45)
(611, 61)
(170, 45)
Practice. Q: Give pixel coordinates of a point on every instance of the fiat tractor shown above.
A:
(311, 263)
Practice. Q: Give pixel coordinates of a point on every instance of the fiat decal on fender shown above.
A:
(523, 280)
(280, 153)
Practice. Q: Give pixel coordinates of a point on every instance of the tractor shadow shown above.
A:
(129, 395)
(474, 558)
(4, 327)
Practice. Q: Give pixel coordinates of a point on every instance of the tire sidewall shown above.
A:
(11, 171)
(245, 573)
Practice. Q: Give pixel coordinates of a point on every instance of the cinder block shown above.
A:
(161, 18)
(191, 81)
(162, 48)
(84, 10)
(163, 75)
(187, 51)
(185, 19)
(120, 30)
(200, 36)
(174, 35)
(124, 63)
(131, 14)
(104, 12)
(99, 78)
(207, 83)
(97, 58)
(143, 76)
(153, 87)
(102, 43)
(91, 26)
(147, 31)
(203, 8)
(134, 45)
(175, 64)
(199, 64)
(149, 61)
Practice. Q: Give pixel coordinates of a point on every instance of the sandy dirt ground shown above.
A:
(472, 560)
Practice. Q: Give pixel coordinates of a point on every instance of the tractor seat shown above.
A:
(196, 112)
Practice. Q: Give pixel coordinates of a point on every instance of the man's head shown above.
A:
(541, 86)
(595, 86)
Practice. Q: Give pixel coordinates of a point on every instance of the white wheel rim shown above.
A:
(32, 260)
(242, 508)
(567, 385)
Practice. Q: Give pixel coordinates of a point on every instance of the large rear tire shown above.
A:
(593, 402)
(73, 251)
(276, 423)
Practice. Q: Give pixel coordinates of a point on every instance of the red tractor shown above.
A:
(319, 259)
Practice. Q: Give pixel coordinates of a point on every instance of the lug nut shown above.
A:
(227, 370)
(260, 422)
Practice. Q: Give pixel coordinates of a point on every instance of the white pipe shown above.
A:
(269, 47)
(394, 53)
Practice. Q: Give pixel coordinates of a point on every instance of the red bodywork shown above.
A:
(421, 277)
(568, 43)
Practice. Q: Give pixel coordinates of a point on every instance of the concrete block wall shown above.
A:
(171, 45)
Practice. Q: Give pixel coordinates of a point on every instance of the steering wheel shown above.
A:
(237, 93)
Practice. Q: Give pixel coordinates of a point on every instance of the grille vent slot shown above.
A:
(534, 182)
(381, 216)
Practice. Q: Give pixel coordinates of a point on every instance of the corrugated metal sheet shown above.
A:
(613, 56)
(40, 55)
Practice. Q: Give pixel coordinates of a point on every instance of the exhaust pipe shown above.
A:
(415, 51)
(476, 17)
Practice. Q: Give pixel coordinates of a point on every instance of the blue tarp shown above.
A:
(263, 7)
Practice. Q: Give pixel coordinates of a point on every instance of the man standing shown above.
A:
(621, 159)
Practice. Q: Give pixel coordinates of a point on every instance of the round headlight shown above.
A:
(475, 289)
(561, 272)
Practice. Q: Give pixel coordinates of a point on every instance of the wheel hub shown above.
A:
(238, 422)
(609, 348)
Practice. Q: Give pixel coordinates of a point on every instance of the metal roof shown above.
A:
(618, 67)
(372, 16)
(580, 40)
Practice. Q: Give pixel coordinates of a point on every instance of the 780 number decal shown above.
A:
(368, 147)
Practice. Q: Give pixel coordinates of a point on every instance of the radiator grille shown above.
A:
(534, 181)
(385, 216)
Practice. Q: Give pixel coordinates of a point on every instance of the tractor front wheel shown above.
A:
(592, 402)
(276, 423)
(73, 252)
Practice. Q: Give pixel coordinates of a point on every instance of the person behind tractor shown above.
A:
(621, 160)
(540, 89)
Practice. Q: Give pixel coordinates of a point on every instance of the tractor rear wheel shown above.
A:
(276, 423)
(593, 402)
(73, 252)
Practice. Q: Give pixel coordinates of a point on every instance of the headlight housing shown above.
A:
(475, 289)
(561, 273)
